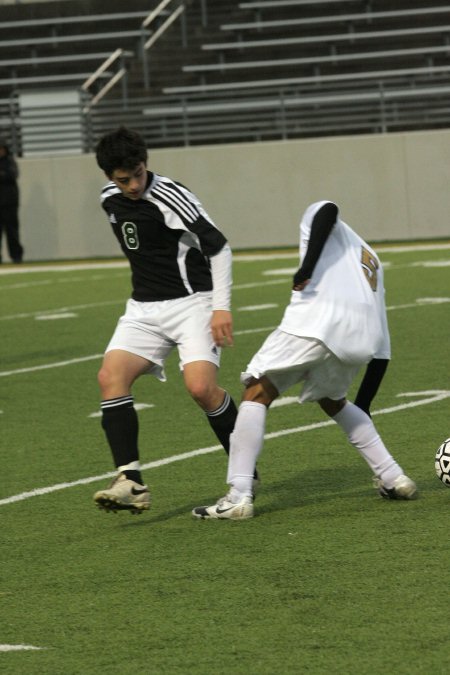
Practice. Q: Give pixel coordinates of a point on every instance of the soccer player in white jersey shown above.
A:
(181, 278)
(335, 322)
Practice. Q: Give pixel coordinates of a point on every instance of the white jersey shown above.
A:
(343, 304)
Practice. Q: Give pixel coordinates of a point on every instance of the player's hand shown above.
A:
(301, 286)
(222, 328)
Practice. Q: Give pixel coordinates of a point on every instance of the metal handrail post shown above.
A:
(184, 35)
(124, 83)
(204, 11)
(144, 56)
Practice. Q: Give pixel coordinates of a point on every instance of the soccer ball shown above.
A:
(442, 462)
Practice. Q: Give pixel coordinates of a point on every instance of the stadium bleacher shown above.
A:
(234, 71)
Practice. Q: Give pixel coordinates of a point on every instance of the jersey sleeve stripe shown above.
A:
(176, 201)
(108, 190)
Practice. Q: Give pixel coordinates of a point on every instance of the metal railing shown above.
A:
(148, 40)
(377, 101)
(267, 114)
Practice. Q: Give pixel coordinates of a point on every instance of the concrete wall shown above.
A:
(389, 187)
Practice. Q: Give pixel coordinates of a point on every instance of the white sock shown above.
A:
(246, 443)
(132, 466)
(364, 437)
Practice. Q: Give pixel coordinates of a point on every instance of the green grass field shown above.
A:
(328, 578)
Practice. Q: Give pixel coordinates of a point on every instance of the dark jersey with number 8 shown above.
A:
(167, 236)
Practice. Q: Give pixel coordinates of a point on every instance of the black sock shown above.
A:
(134, 475)
(120, 423)
(222, 421)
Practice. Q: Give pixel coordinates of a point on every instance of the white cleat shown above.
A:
(123, 495)
(226, 510)
(403, 488)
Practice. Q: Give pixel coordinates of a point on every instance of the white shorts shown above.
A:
(153, 329)
(287, 360)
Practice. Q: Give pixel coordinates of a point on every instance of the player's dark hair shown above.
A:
(120, 149)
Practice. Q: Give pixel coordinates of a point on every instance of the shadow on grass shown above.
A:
(301, 489)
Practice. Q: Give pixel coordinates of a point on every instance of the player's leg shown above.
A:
(246, 444)
(248, 435)
(373, 376)
(282, 361)
(200, 378)
(362, 434)
(117, 374)
(189, 324)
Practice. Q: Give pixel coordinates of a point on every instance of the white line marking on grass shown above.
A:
(419, 302)
(62, 267)
(26, 315)
(62, 280)
(432, 396)
(414, 247)
(259, 284)
(266, 329)
(435, 395)
(28, 268)
(17, 648)
(431, 263)
(52, 317)
(284, 400)
(46, 366)
(26, 284)
(248, 331)
(383, 248)
(287, 271)
(432, 301)
(256, 308)
(70, 362)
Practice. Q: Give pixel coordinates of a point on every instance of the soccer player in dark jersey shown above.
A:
(181, 278)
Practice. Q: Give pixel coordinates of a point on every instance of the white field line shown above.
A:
(420, 302)
(431, 397)
(56, 317)
(44, 312)
(46, 366)
(257, 308)
(255, 284)
(62, 267)
(382, 248)
(33, 268)
(61, 280)
(18, 648)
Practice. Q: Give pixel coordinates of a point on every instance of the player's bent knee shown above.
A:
(204, 395)
(260, 391)
(112, 383)
(104, 378)
(330, 407)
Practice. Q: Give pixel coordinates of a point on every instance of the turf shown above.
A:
(326, 579)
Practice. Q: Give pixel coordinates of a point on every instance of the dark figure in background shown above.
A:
(9, 203)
